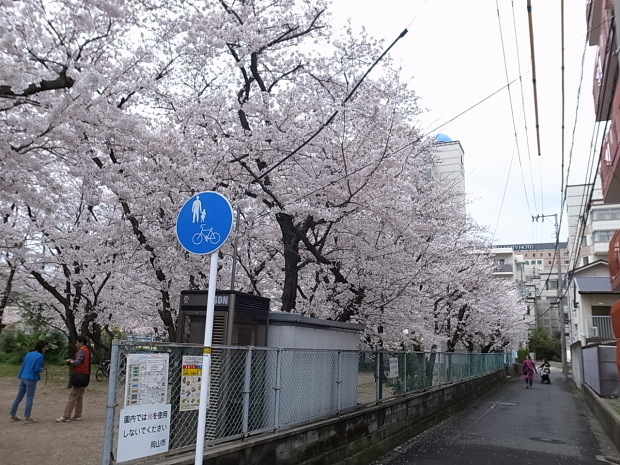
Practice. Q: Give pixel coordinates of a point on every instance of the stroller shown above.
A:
(545, 375)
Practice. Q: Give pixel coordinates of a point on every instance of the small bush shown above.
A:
(15, 343)
(545, 346)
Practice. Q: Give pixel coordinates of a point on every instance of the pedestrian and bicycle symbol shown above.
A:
(208, 235)
(204, 223)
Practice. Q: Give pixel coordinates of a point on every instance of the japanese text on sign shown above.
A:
(143, 430)
(147, 379)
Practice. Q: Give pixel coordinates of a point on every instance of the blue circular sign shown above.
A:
(204, 223)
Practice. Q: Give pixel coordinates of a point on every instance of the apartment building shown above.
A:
(592, 224)
(536, 274)
(450, 168)
(594, 208)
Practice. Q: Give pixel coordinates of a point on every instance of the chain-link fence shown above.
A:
(258, 389)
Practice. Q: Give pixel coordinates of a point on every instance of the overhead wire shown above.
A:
(578, 227)
(591, 173)
(514, 126)
(563, 109)
(558, 217)
(349, 95)
(593, 160)
(524, 112)
(575, 245)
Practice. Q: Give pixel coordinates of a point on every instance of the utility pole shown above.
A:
(559, 294)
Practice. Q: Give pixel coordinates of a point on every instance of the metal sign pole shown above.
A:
(206, 362)
(204, 222)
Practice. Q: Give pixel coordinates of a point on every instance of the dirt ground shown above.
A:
(46, 442)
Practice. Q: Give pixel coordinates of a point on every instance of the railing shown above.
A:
(599, 327)
(507, 268)
(260, 389)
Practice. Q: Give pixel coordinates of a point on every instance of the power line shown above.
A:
(512, 112)
(331, 118)
(563, 96)
(594, 156)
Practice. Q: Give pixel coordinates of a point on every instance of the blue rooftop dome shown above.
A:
(442, 138)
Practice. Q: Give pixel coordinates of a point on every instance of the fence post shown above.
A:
(379, 387)
(246, 390)
(277, 388)
(110, 411)
(339, 380)
(405, 370)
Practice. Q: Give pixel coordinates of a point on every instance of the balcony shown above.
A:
(598, 328)
(507, 268)
(613, 261)
(606, 65)
(594, 17)
(610, 158)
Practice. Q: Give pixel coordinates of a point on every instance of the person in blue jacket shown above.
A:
(28, 377)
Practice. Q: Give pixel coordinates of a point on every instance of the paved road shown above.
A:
(546, 425)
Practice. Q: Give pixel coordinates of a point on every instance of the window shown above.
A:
(603, 236)
(552, 285)
(539, 262)
(549, 262)
(586, 260)
(606, 214)
(601, 215)
(549, 254)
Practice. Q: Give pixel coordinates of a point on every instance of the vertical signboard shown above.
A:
(191, 373)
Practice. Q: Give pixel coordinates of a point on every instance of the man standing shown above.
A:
(80, 377)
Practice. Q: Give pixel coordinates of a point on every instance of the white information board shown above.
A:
(393, 367)
(147, 379)
(143, 430)
(191, 373)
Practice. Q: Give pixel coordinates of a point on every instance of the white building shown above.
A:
(591, 225)
(536, 274)
(507, 264)
(450, 168)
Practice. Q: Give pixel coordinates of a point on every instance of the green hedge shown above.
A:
(15, 343)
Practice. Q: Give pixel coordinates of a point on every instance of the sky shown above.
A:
(456, 56)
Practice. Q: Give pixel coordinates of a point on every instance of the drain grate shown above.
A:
(605, 458)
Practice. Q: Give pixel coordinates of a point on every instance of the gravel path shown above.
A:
(46, 442)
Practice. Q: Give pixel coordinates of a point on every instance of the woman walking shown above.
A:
(529, 368)
(28, 378)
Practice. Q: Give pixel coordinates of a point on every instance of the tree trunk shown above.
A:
(290, 240)
(6, 293)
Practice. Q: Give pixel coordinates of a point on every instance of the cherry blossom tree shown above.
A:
(114, 114)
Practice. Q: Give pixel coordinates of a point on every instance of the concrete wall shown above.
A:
(356, 437)
(600, 371)
(608, 418)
